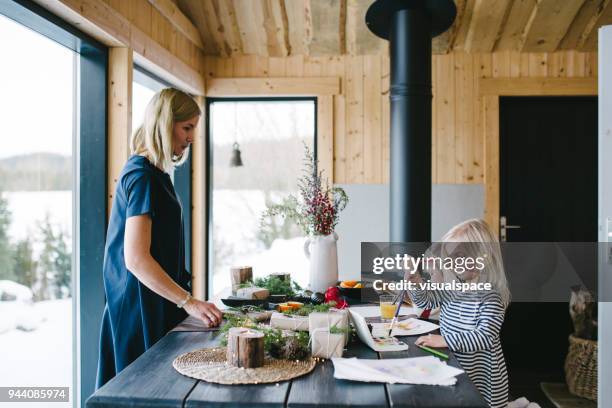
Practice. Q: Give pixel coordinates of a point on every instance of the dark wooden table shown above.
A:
(151, 381)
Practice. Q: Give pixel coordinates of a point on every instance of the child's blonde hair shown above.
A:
(153, 137)
(481, 241)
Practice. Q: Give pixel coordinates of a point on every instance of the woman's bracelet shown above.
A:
(184, 301)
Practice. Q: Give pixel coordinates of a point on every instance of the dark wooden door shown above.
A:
(548, 187)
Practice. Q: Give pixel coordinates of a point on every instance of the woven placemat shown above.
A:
(209, 365)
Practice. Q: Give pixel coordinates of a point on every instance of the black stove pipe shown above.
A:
(409, 26)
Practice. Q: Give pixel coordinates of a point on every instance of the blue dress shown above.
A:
(134, 316)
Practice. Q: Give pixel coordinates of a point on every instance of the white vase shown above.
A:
(323, 255)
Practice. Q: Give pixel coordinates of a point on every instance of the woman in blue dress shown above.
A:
(146, 285)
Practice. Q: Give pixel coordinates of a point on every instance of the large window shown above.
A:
(36, 214)
(270, 135)
(52, 202)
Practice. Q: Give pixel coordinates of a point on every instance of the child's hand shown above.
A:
(431, 340)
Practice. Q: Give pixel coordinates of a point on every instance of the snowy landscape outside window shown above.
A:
(37, 135)
(271, 135)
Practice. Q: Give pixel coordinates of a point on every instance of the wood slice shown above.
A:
(239, 275)
(232, 344)
(251, 349)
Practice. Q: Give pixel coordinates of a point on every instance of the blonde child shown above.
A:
(470, 321)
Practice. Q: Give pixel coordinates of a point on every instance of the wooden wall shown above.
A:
(162, 42)
(147, 18)
(361, 112)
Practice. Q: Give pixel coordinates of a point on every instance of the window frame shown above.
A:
(208, 154)
(89, 183)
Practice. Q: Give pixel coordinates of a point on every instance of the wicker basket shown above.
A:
(581, 367)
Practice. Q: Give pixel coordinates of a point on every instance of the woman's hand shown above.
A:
(431, 340)
(205, 311)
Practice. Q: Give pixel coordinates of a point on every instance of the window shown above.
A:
(36, 213)
(270, 134)
(52, 176)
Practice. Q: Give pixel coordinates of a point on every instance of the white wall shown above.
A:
(366, 218)
(605, 217)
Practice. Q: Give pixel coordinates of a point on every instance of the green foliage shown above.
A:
(6, 255)
(277, 343)
(25, 267)
(51, 275)
(273, 228)
(309, 308)
(276, 285)
(337, 330)
(55, 262)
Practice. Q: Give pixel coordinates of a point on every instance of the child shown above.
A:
(470, 321)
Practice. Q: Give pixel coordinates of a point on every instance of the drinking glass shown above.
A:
(387, 308)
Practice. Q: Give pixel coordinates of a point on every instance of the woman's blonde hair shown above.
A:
(153, 138)
(478, 240)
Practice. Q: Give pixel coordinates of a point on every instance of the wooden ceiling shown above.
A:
(335, 27)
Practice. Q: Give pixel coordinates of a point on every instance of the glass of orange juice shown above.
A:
(387, 308)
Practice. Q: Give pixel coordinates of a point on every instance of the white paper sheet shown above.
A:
(416, 370)
(407, 327)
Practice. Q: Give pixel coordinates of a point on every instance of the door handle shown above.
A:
(504, 227)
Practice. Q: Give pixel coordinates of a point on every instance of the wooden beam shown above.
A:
(511, 37)
(537, 86)
(464, 26)
(229, 25)
(548, 24)
(173, 14)
(275, 23)
(487, 22)
(588, 40)
(443, 43)
(108, 26)
(250, 18)
(299, 26)
(203, 15)
(120, 69)
(94, 17)
(198, 208)
(359, 38)
(326, 38)
(325, 136)
(272, 86)
(585, 18)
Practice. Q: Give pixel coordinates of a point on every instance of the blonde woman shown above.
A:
(470, 321)
(145, 281)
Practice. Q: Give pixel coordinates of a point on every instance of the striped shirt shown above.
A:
(470, 323)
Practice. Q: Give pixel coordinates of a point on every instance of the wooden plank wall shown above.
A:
(361, 112)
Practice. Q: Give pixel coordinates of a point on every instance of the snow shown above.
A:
(42, 357)
(10, 290)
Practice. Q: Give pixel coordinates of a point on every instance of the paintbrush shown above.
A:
(399, 306)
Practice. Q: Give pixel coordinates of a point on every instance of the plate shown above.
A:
(238, 302)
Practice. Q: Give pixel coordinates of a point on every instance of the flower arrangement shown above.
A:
(316, 209)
